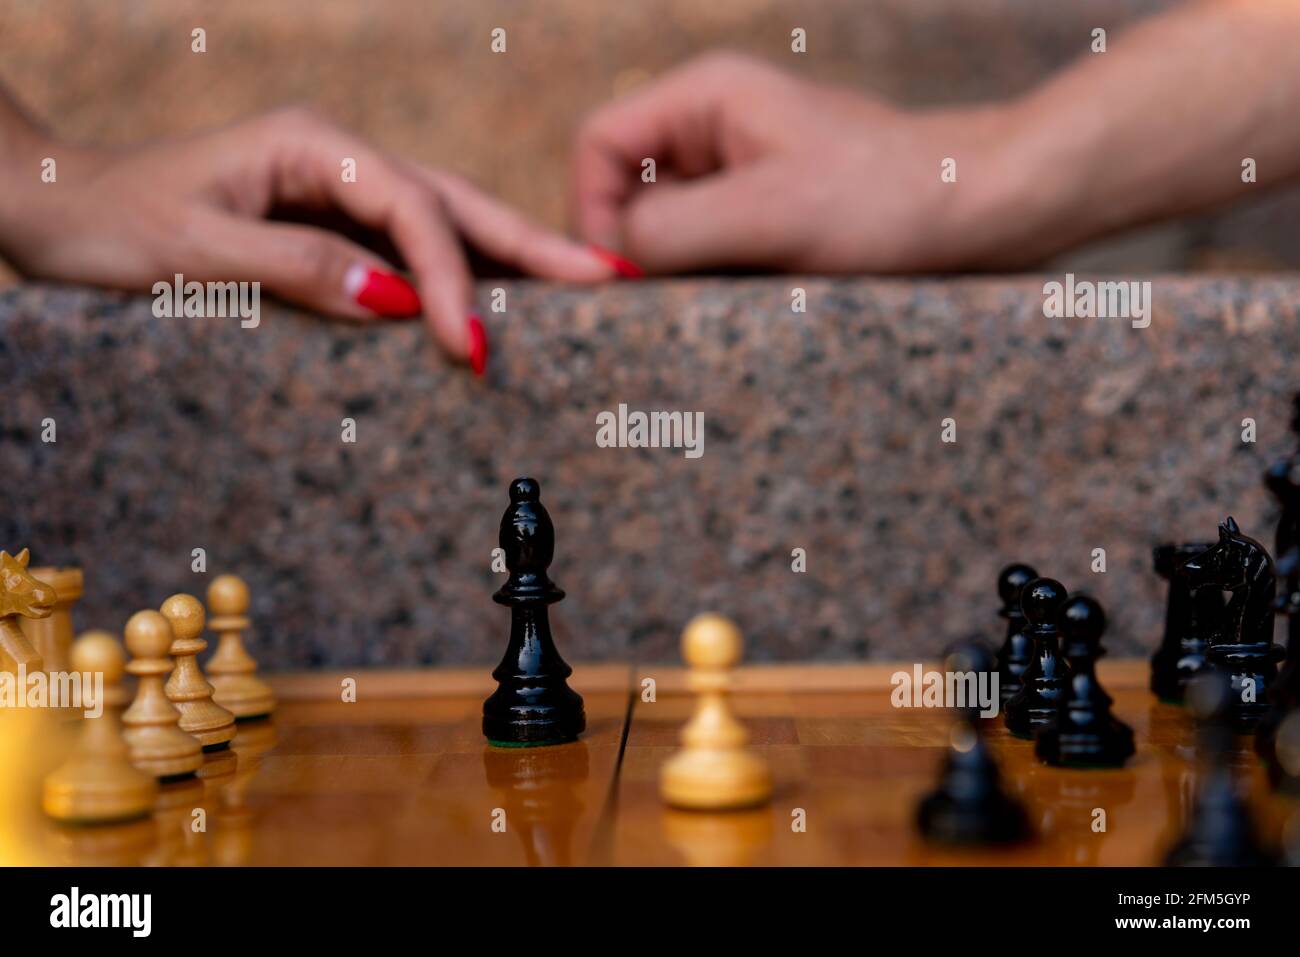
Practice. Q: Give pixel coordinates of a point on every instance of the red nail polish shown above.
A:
(625, 268)
(384, 293)
(477, 345)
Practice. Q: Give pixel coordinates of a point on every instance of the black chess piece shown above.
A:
(1283, 480)
(1220, 832)
(533, 704)
(1034, 705)
(1291, 840)
(1283, 762)
(1283, 757)
(1191, 619)
(1085, 733)
(1018, 648)
(1240, 565)
(969, 807)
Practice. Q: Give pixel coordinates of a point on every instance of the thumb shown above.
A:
(310, 267)
(733, 218)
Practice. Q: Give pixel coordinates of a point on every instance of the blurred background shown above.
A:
(418, 77)
(1081, 434)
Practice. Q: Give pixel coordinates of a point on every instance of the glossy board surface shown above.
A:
(402, 775)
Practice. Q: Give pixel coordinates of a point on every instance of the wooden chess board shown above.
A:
(403, 776)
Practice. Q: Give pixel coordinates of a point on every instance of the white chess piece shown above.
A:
(714, 770)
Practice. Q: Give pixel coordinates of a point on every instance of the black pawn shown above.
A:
(1017, 650)
(1191, 619)
(533, 704)
(1220, 832)
(1085, 733)
(1034, 705)
(969, 806)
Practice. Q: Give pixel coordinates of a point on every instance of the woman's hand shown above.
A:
(195, 206)
(757, 168)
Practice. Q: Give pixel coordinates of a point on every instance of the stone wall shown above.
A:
(822, 431)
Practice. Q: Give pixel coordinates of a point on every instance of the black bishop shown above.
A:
(533, 704)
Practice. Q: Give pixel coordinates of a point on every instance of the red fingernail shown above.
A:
(477, 345)
(625, 268)
(384, 293)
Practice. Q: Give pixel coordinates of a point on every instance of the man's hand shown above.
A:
(758, 168)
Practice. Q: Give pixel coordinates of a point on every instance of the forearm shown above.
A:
(1157, 126)
(21, 137)
(23, 144)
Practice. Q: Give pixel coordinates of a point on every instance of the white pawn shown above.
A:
(232, 672)
(187, 689)
(714, 770)
(157, 746)
(98, 783)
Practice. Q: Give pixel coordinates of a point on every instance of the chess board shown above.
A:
(403, 776)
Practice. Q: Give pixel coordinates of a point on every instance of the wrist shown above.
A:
(23, 149)
(1034, 200)
(980, 187)
(23, 146)
(33, 166)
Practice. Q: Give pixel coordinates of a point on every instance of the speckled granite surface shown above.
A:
(822, 432)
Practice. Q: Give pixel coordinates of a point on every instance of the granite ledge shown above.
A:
(821, 432)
